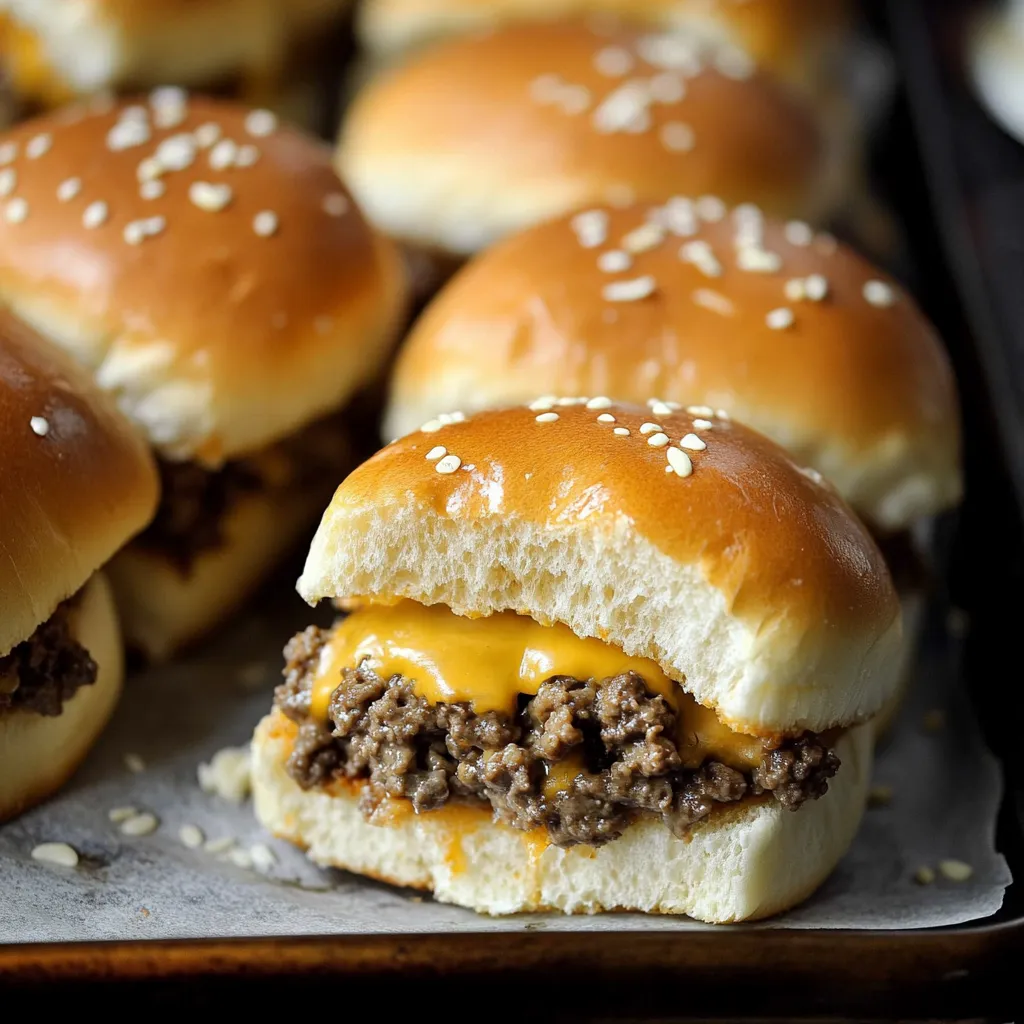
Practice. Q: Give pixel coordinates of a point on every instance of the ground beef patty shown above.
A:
(47, 669)
(619, 736)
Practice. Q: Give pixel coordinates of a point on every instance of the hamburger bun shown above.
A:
(225, 303)
(76, 482)
(39, 753)
(695, 304)
(746, 862)
(532, 120)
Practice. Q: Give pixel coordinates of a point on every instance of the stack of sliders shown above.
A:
(534, 120)
(76, 483)
(209, 267)
(793, 333)
(598, 658)
(54, 51)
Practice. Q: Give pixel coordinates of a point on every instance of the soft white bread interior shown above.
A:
(744, 863)
(39, 753)
(164, 608)
(745, 577)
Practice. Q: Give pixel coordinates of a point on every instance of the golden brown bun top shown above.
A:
(781, 34)
(856, 385)
(531, 120)
(205, 260)
(778, 543)
(76, 481)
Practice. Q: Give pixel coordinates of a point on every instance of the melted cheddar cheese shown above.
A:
(488, 662)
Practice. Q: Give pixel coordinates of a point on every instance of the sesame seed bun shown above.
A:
(76, 482)
(689, 540)
(39, 753)
(750, 861)
(54, 52)
(855, 384)
(791, 37)
(520, 125)
(226, 303)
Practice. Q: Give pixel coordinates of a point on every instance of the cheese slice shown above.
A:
(488, 662)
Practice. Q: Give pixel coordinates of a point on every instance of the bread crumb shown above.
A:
(58, 854)
(227, 775)
(119, 814)
(144, 824)
(955, 870)
(262, 857)
(134, 763)
(191, 836)
(221, 845)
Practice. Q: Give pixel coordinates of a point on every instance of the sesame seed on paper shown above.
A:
(59, 855)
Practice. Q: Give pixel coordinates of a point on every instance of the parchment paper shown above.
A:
(946, 791)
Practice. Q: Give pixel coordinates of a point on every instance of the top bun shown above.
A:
(54, 51)
(205, 261)
(76, 481)
(792, 333)
(794, 38)
(678, 536)
(482, 136)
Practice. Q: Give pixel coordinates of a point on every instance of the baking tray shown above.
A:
(731, 972)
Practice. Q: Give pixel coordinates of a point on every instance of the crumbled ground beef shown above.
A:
(618, 739)
(47, 669)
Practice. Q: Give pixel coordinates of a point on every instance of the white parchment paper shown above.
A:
(946, 791)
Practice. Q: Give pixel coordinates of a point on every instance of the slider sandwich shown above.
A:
(210, 268)
(481, 136)
(598, 657)
(76, 483)
(703, 305)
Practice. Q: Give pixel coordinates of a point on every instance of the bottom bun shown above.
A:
(747, 862)
(39, 753)
(163, 609)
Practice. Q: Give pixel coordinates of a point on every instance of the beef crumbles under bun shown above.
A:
(210, 268)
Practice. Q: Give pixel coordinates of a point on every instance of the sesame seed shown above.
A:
(437, 452)
(451, 417)
(335, 204)
(677, 137)
(134, 763)
(546, 417)
(613, 61)
(679, 461)
(671, 52)
(702, 424)
(210, 197)
(95, 214)
(265, 223)
(247, 155)
(545, 88)
(924, 875)
(615, 261)
(879, 294)
(749, 221)
(660, 408)
(223, 154)
(798, 233)
(263, 858)
(678, 215)
(68, 189)
(127, 133)
(710, 209)
(38, 145)
(702, 256)
(606, 417)
(650, 428)
(144, 824)
(40, 425)
(16, 210)
(624, 110)
(713, 301)
(168, 96)
(218, 846)
(629, 291)
(574, 99)
(8, 181)
(449, 464)
(207, 134)
(119, 814)
(621, 432)
(571, 401)
(779, 319)
(700, 410)
(794, 289)
(191, 836)
(734, 63)
(666, 87)
(693, 443)
(669, 469)
(658, 440)
(134, 232)
(644, 238)
(136, 112)
(757, 260)
(722, 414)
(542, 403)
(240, 858)
(8, 153)
(826, 243)
(152, 189)
(149, 169)
(260, 123)
(177, 152)
(955, 870)
(600, 402)
(816, 287)
(60, 855)
(591, 228)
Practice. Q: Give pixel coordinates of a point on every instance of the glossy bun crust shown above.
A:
(750, 582)
(530, 121)
(860, 390)
(226, 305)
(76, 482)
